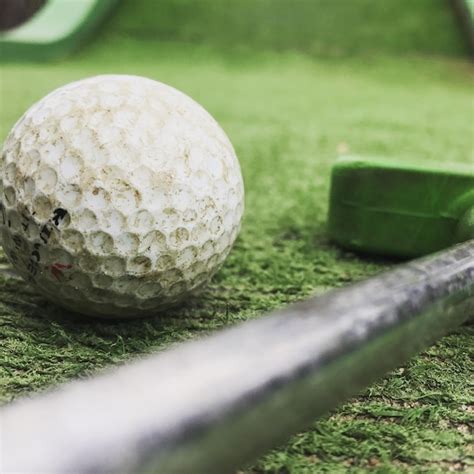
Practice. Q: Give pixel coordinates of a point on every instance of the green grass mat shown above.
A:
(288, 117)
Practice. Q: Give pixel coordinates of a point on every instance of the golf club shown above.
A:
(215, 404)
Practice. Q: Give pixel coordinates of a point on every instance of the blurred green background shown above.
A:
(317, 27)
(294, 84)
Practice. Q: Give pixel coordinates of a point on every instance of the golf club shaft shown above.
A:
(214, 404)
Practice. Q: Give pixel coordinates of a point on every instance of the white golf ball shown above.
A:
(119, 196)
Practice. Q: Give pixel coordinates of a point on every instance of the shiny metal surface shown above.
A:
(215, 404)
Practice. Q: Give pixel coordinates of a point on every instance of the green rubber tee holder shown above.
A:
(55, 30)
(400, 209)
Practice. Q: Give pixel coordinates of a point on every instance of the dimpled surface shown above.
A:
(119, 196)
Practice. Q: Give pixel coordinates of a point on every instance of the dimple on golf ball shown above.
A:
(119, 196)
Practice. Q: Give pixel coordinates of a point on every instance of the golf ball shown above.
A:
(119, 196)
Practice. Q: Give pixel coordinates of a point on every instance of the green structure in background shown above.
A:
(397, 209)
(55, 30)
(465, 12)
(311, 26)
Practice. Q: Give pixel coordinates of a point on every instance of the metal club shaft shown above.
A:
(214, 404)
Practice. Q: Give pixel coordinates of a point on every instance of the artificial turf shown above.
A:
(289, 114)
